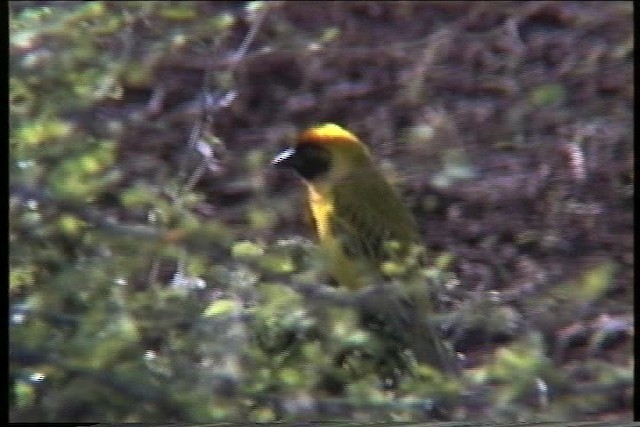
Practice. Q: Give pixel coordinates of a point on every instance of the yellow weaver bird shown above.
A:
(362, 226)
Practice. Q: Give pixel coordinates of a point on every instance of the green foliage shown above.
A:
(547, 95)
(145, 286)
(222, 307)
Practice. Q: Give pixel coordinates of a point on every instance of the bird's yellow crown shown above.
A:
(327, 133)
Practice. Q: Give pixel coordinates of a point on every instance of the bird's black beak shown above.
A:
(285, 159)
(308, 160)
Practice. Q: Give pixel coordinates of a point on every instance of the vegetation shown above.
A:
(161, 271)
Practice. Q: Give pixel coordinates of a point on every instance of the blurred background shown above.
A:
(157, 262)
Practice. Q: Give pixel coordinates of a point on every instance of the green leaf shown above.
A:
(221, 307)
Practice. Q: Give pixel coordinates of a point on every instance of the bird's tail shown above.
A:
(403, 322)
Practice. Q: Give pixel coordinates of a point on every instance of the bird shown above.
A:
(364, 229)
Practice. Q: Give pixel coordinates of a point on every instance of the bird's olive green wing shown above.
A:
(368, 214)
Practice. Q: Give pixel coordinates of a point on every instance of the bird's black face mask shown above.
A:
(309, 161)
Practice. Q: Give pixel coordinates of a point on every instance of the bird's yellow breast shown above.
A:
(344, 269)
(322, 209)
